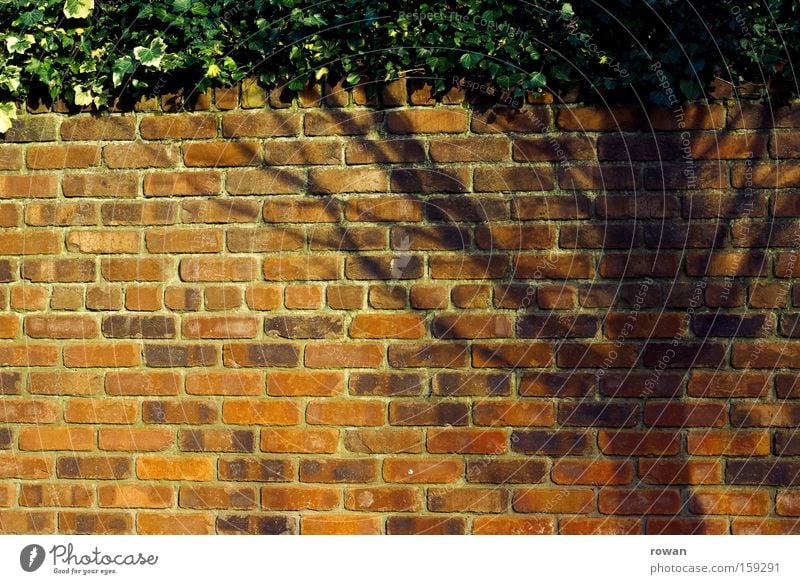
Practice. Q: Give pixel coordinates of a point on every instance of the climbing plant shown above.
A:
(87, 51)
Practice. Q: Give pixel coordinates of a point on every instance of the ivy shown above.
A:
(90, 51)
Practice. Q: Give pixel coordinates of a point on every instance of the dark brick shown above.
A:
(405, 413)
(542, 326)
(386, 384)
(593, 415)
(733, 325)
(304, 326)
(181, 355)
(256, 469)
(255, 525)
(139, 327)
(548, 442)
(503, 472)
(782, 473)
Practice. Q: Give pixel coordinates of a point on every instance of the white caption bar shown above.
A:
(399, 559)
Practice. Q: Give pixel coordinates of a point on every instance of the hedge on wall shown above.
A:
(90, 50)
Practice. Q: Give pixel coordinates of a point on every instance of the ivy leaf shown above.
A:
(8, 112)
(29, 19)
(120, 69)
(690, 88)
(82, 97)
(560, 71)
(19, 45)
(536, 81)
(199, 9)
(78, 8)
(469, 60)
(151, 56)
(297, 83)
(10, 77)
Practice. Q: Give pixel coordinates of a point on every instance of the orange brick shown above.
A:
(267, 412)
(102, 355)
(94, 411)
(340, 524)
(135, 439)
(134, 496)
(57, 438)
(299, 440)
(185, 468)
(346, 412)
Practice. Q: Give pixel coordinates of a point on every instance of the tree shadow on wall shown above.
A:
(598, 297)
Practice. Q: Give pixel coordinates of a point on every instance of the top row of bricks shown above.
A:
(417, 120)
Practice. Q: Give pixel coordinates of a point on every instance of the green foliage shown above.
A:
(87, 51)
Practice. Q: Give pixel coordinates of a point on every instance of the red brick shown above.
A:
(306, 297)
(730, 501)
(467, 441)
(416, 470)
(135, 269)
(99, 128)
(225, 383)
(55, 495)
(592, 472)
(260, 124)
(299, 440)
(185, 468)
(66, 156)
(184, 241)
(302, 267)
(376, 326)
(98, 411)
(191, 127)
(513, 413)
(64, 382)
(115, 354)
(109, 184)
(348, 180)
(470, 149)
(26, 186)
(221, 211)
(134, 496)
(299, 498)
(135, 439)
(140, 155)
(174, 523)
(504, 120)
(218, 269)
(28, 355)
(550, 500)
(601, 526)
(423, 121)
(97, 241)
(262, 412)
(639, 501)
(295, 152)
(680, 472)
(341, 524)
(170, 184)
(73, 438)
(384, 441)
(344, 355)
(266, 181)
(346, 412)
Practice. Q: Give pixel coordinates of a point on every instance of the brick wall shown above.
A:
(339, 318)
